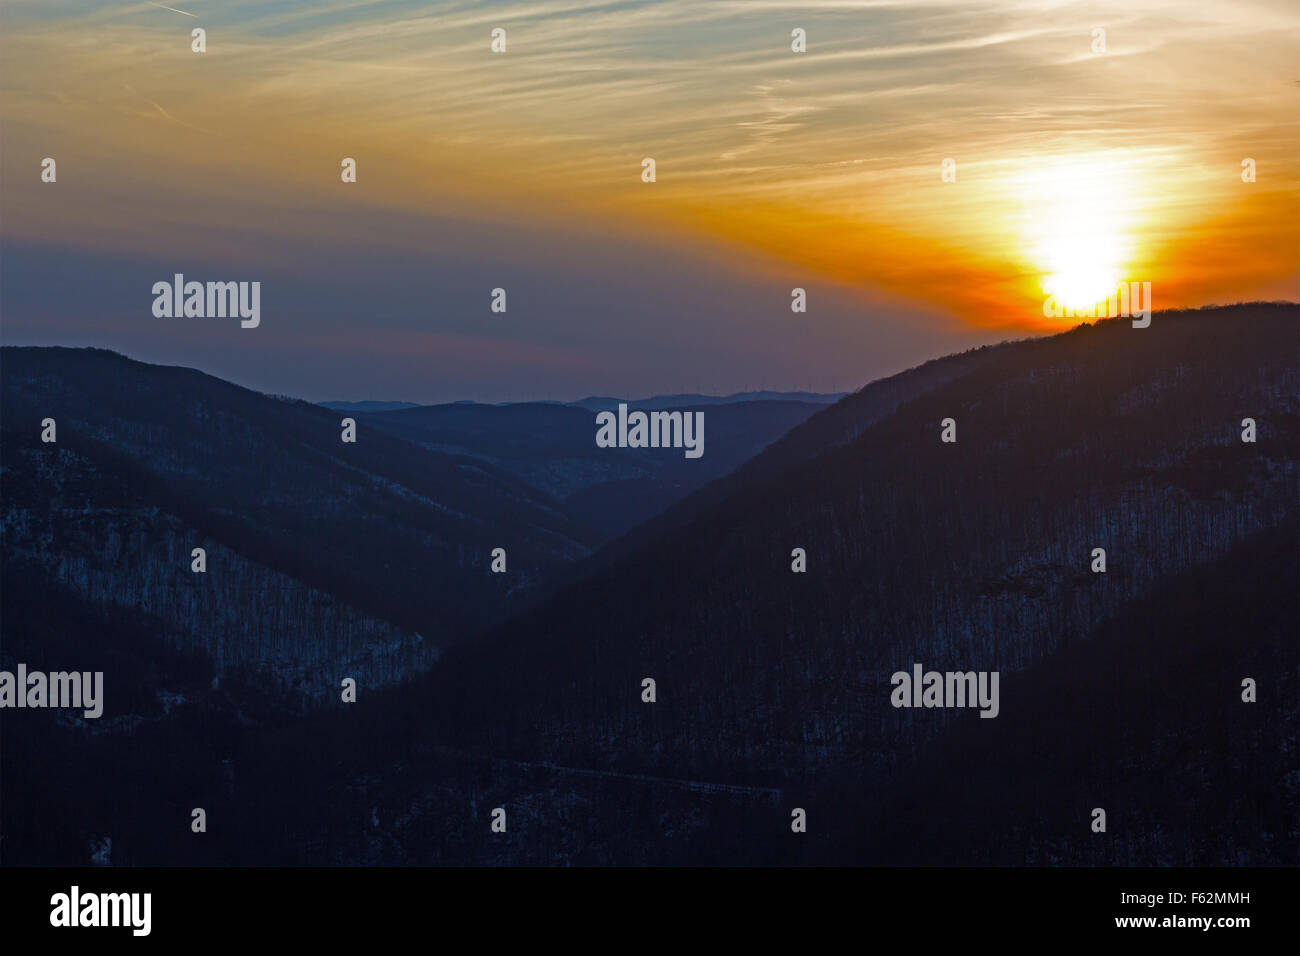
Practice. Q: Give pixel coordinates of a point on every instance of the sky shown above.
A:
(1090, 143)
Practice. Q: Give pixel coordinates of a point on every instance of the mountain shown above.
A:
(974, 555)
(1120, 690)
(324, 559)
(553, 448)
(1144, 719)
(367, 406)
(825, 429)
(596, 403)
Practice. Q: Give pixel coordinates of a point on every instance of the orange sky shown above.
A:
(1075, 167)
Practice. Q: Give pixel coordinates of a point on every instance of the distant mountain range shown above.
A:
(595, 403)
(364, 407)
(598, 403)
(551, 445)
(553, 448)
(1120, 689)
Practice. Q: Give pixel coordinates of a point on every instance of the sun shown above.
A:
(1078, 222)
(1083, 267)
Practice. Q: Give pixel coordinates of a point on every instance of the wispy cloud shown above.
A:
(828, 159)
(172, 9)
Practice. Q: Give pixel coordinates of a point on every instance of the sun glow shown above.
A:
(1079, 228)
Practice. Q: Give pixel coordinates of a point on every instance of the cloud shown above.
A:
(827, 162)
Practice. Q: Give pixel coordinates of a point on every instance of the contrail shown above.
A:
(172, 9)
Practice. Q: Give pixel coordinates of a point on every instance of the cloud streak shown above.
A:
(824, 165)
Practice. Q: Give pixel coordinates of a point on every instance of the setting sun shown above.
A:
(1079, 227)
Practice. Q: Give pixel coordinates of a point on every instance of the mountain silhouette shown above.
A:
(553, 448)
(364, 557)
(1120, 690)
